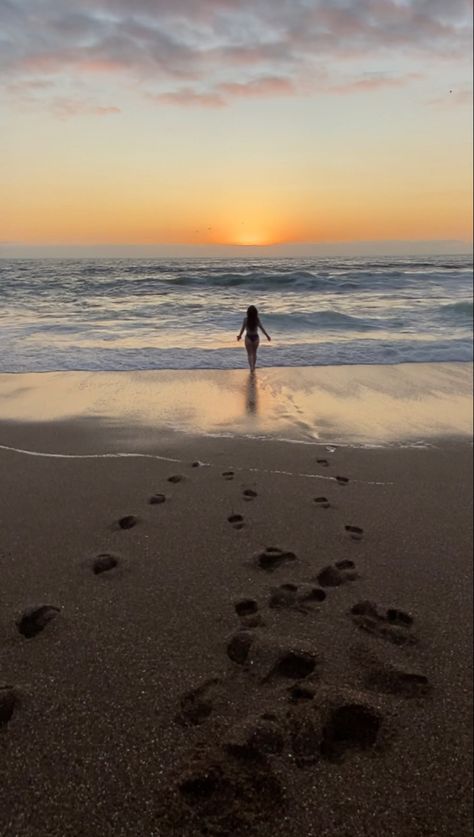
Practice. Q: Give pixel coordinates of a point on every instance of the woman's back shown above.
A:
(252, 321)
(251, 325)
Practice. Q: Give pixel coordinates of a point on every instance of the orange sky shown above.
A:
(289, 147)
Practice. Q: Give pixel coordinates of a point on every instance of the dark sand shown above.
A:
(125, 713)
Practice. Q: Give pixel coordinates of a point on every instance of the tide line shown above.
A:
(48, 455)
(137, 455)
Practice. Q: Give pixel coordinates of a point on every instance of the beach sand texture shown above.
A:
(256, 638)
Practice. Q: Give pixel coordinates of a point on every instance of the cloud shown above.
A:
(223, 93)
(373, 82)
(66, 108)
(186, 97)
(211, 52)
(265, 86)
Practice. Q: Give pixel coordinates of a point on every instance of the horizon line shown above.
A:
(327, 249)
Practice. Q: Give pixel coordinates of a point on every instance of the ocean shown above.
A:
(129, 314)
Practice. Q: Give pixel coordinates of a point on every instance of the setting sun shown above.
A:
(253, 240)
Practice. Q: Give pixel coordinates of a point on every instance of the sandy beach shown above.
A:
(219, 634)
(236, 419)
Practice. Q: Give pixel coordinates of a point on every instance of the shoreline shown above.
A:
(360, 405)
(242, 367)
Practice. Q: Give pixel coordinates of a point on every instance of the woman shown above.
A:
(251, 325)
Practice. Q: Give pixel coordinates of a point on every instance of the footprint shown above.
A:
(337, 574)
(249, 494)
(305, 739)
(128, 522)
(8, 701)
(283, 596)
(239, 646)
(365, 608)
(157, 499)
(355, 532)
(175, 478)
(342, 480)
(235, 518)
(399, 617)
(392, 624)
(237, 521)
(332, 726)
(295, 665)
(301, 693)
(197, 704)
(246, 607)
(273, 557)
(293, 596)
(397, 681)
(256, 737)
(224, 793)
(228, 475)
(388, 678)
(350, 726)
(247, 611)
(323, 462)
(34, 619)
(196, 464)
(103, 563)
(345, 564)
(322, 502)
(308, 593)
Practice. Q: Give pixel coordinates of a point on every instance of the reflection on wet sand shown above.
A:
(358, 404)
(251, 395)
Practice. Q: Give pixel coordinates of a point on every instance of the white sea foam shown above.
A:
(136, 455)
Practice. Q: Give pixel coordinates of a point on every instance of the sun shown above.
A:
(252, 239)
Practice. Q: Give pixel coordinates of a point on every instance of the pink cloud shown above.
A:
(102, 65)
(222, 93)
(186, 97)
(210, 47)
(366, 85)
(66, 108)
(267, 86)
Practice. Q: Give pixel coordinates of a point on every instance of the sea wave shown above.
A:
(148, 314)
(364, 352)
(118, 278)
(457, 312)
(329, 320)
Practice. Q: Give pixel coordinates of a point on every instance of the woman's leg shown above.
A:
(254, 357)
(249, 347)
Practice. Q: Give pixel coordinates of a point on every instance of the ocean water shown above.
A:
(125, 314)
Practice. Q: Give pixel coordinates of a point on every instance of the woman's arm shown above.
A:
(242, 329)
(262, 329)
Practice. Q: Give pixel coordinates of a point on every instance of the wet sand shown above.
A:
(356, 404)
(234, 637)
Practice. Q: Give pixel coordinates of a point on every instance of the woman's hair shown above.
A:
(252, 317)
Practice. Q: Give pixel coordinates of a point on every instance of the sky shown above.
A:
(189, 127)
